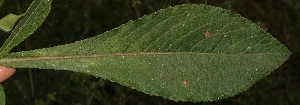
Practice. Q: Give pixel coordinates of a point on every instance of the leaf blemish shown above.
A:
(206, 33)
(184, 83)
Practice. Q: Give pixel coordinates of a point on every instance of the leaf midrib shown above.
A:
(121, 54)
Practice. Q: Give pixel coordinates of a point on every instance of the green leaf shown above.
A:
(2, 95)
(33, 18)
(8, 22)
(183, 53)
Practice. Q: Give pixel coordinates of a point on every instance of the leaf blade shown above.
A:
(168, 54)
(7, 23)
(33, 18)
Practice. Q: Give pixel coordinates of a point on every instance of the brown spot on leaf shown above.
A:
(206, 34)
(184, 83)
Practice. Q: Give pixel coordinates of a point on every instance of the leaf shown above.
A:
(33, 18)
(2, 95)
(8, 22)
(183, 53)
